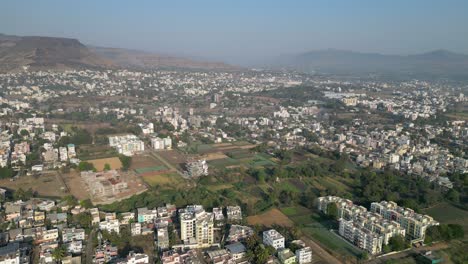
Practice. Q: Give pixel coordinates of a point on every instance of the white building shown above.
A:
(110, 226)
(273, 238)
(127, 145)
(304, 255)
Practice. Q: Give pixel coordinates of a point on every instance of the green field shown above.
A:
(168, 180)
(314, 226)
(446, 213)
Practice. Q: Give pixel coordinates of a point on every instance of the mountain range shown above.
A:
(438, 63)
(64, 53)
(38, 52)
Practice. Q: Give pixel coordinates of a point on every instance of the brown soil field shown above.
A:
(75, 185)
(214, 156)
(47, 184)
(114, 163)
(269, 218)
(144, 161)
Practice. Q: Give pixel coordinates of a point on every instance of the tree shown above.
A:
(453, 196)
(107, 167)
(332, 210)
(24, 132)
(86, 166)
(126, 162)
(397, 243)
(59, 253)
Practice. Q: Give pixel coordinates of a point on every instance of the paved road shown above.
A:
(319, 251)
(89, 247)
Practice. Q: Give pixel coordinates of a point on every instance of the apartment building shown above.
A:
(196, 226)
(415, 224)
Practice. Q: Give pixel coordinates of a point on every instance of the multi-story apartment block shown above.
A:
(196, 226)
(127, 145)
(414, 224)
(273, 238)
(346, 208)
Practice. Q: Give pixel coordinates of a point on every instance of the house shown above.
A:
(237, 250)
(234, 213)
(304, 255)
(273, 238)
(286, 256)
(110, 226)
(135, 229)
(72, 234)
(10, 254)
(146, 216)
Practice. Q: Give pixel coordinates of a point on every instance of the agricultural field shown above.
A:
(446, 213)
(174, 157)
(269, 218)
(113, 162)
(143, 161)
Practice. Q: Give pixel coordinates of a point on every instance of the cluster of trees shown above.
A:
(125, 242)
(256, 251)
(6, 172)
(86, 166)
(444, 233)
(396, 243)
(79, 136)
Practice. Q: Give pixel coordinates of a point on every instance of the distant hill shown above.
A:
(64, 53)
(147, 60)
(439, 63)
(46, 53)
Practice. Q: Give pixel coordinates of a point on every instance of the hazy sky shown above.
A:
(246, 30)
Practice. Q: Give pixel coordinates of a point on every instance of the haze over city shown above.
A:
(233, 132)
(247, 32)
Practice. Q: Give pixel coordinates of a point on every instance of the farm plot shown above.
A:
(174, 157)
(269, 218)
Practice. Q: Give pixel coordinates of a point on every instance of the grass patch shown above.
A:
(446, 213)
(167, 179)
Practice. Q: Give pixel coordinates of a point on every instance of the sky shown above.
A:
(246, 31)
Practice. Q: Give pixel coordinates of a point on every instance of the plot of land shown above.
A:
(269, 218)
(174, 157)
(47, 184)
(446, 213)
(99, 164)
(316, 227)
(172, 180)
(89, 152)
(143, 161)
